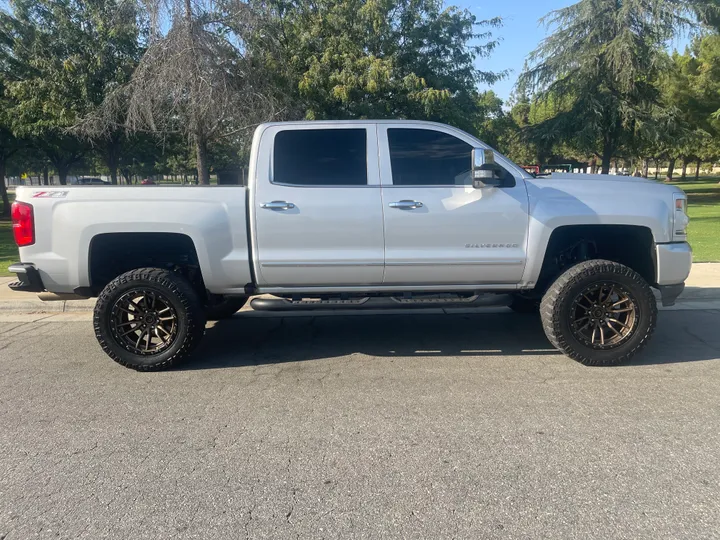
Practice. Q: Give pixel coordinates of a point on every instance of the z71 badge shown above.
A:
(49, 194)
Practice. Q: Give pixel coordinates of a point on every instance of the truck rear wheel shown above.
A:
(148, 319)
(600, 313)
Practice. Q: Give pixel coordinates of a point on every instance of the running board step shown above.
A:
(381, 302)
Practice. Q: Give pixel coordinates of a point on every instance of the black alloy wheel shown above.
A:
(149, 319)
(144, 321)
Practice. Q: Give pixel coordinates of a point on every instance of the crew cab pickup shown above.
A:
(357, 215)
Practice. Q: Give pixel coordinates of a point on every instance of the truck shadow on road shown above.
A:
(257, 339)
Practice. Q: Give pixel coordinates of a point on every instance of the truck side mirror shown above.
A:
(485, 172)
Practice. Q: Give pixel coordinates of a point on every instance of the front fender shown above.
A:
(578, 202)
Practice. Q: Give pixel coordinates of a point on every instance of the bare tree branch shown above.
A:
(195, 80)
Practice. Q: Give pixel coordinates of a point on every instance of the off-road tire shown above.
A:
(174, 288)
(556, 305)
(522, 304)
(224, 307)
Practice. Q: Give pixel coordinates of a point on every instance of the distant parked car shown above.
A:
(147, 182)
(91, 181)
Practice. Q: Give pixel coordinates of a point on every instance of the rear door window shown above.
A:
(320, 157)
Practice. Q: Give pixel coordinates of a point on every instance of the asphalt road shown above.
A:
(365, 426)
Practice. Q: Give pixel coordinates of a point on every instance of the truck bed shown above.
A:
(213, 217)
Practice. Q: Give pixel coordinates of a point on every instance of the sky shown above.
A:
(521, 33)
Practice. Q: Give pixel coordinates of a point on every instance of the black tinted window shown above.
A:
(421, 157)
(321, 157)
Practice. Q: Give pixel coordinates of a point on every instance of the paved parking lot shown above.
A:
(362, 426)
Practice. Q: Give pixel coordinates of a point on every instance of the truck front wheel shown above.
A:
(148, 319)
(599, 313)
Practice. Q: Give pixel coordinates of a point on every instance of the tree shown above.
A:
(64, 54)
(598, 67)
(113, 40)
(342, 59)
(690, 91)
(706, 86)
(518, 140)
(512, 140)
(194, 80)
(9, 143)
(493, 123)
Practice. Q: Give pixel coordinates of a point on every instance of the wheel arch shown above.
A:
(630, 245)
(112, 254)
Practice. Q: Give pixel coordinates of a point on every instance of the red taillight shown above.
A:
(23, 223)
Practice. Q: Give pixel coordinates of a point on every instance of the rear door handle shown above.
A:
(278, 205)
(406, 205)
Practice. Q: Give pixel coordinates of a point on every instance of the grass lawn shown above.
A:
(704, 210)
(8, 250)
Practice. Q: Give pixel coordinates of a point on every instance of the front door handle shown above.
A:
(278, 205)
(406, 205)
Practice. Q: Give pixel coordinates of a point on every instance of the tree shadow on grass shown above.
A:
(704, 197)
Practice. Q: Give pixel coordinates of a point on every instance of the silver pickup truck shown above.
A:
(357, 215)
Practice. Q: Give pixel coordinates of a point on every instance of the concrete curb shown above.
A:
(38, 306)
